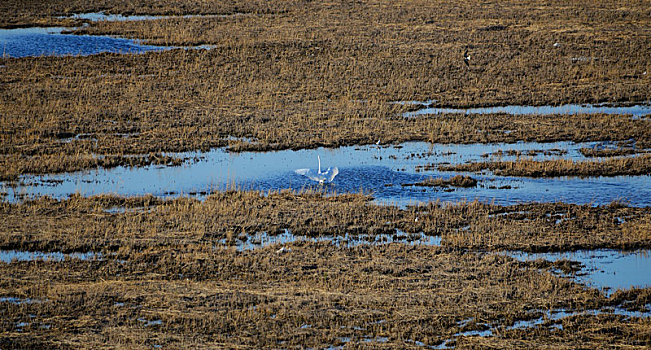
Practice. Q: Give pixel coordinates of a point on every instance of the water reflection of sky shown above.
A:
(569, 109)
(101, 16)
(380, 170)
(604, 268)
(25, 42)
(8, 256)
(260, 240)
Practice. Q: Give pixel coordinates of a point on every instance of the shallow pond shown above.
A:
(569, 109)
(380, 170)
(24, 42)
(605, 269)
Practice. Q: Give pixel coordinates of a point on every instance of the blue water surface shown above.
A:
(25, 42)
(386, 172)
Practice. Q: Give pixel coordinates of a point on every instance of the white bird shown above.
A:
(318, 176)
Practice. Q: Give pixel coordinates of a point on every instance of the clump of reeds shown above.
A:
(455, 181)
(607, 152)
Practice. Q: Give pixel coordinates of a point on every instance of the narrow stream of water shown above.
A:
(101, 16)
(9, 256)
(262, 239)
(569, 109)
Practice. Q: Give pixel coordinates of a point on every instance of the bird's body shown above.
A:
(466, 59)
(318, 176)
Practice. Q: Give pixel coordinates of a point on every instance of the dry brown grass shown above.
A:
(608, 152)
(310, 74)
(640, 165)
(25, 13)
(313, 296)
(455, 181)
(84, 224)
(316, 74)
(162, 260)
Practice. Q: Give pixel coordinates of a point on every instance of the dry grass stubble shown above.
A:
(321, 74)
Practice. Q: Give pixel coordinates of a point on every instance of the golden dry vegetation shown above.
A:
(323, 74)
(640, 165)
(80, 224)
(27, 13)
(455, 181)
(305, 74)
(164, 277)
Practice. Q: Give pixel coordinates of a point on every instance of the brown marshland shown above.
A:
(305, 74)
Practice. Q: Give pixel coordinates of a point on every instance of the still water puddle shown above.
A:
(263, 239)
(559, 314)
(549, 318)
(24, 42)
(379, 170)
(148, 323)
(8, 256)
(569, 109)
(57, 41)
(605, 269)
(101, 16)
(19, 301)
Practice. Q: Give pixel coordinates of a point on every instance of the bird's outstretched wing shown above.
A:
(310, 174)
(331, 173)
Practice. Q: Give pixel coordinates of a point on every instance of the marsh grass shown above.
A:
(639, 165)
(165, 279)
(29, 13)
(608, 152)
(455, 181)
(80, 223)
(310, 74)
(305, 74)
